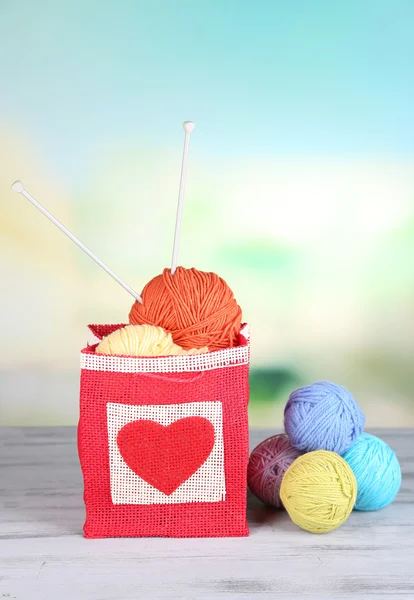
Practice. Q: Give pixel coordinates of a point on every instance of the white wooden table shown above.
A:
(43, 555)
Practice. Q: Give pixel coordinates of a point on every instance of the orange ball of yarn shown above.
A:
(198, 308)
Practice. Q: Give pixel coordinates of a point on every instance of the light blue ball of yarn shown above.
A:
(323, 416)
(377, 471)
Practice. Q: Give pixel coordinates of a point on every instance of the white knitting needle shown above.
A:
(19, 188)
(188, 128)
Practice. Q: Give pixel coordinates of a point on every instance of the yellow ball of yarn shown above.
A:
(319, 491)
(142, 340)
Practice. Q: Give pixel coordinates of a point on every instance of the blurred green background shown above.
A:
(300, 190)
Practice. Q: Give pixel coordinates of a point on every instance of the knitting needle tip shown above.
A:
(188, 126)
(17, 187)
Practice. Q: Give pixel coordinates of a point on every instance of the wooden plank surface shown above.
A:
(43, 555)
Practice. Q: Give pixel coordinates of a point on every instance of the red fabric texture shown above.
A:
(101, 331)
(224, 518)
(166, 456)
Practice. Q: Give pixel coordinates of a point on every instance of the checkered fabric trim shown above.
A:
(228, 357)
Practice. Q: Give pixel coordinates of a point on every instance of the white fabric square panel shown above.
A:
(207, 484)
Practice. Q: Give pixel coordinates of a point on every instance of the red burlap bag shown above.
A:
(163, 443)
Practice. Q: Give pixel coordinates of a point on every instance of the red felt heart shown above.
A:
(166, 456)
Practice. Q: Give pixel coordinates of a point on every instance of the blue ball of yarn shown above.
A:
(377, 471)
(323, 416)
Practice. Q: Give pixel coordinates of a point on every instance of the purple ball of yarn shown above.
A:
(267, 464)
(323, 416)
